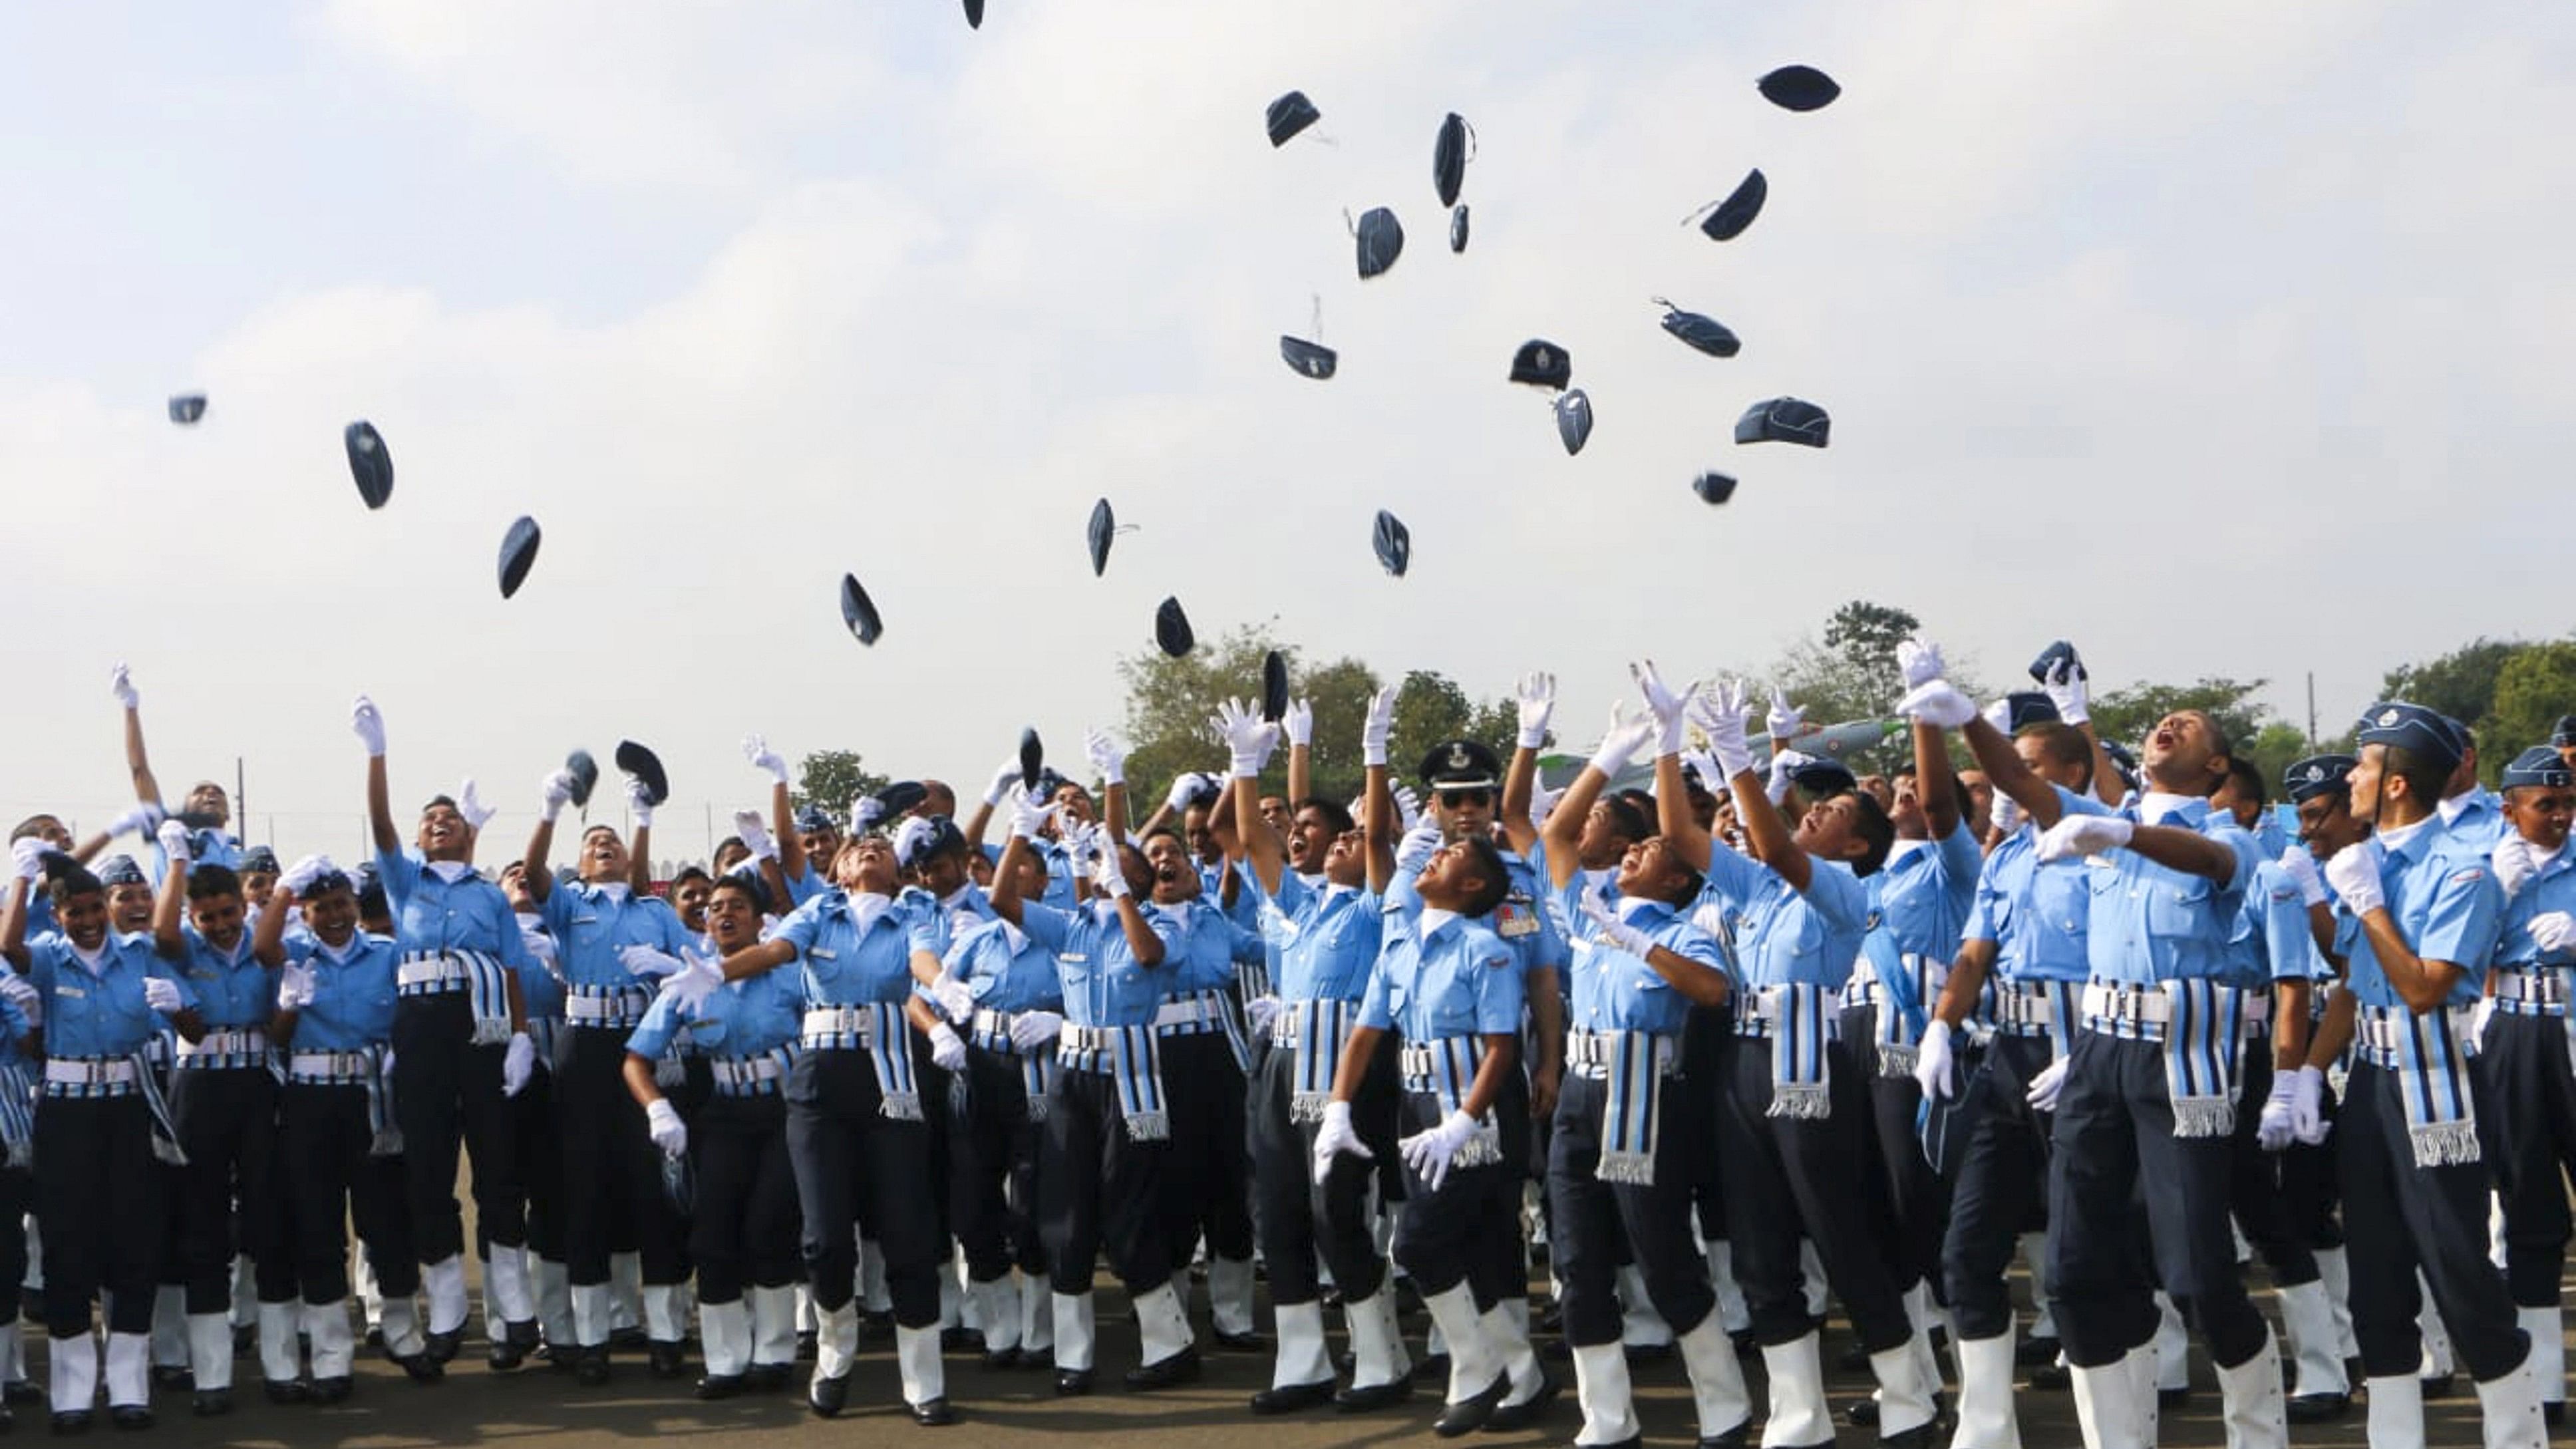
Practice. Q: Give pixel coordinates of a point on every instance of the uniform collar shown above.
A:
(1898, 852)
(1431, 922)
(863, 910)
(2461, 804)
(1643, 912)
(450, 871)
(2156, 807)
(2405, 841)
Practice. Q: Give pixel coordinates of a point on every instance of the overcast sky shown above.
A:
(2170, 329)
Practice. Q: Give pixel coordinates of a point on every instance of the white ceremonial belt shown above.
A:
(418, 973)
(2532, 990)
(745, 1076)
(1590, 1053)
(1200, 1011)
(231, 1047)
(823, 1023)
(610, 1006)
(2110, 1002)
(89, 1072)
(329, 1068)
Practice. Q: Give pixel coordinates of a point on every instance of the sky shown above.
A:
(2220, 339)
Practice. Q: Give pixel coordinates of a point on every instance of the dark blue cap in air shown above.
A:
(1799, 88)
(1449, 157)
(187, 407)
(1574, 420)
(369, 462)
(1726, 220)
(1310, 359)
(1783, 420)
(1289, 115)
(1394, 543)
(858, 611)
(1701, 331)
(1380, 240)
(1542, 364)
(518, 554)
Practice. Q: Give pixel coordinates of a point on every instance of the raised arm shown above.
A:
(1377, 825)
(369, 724)
(1724, 716)
(1111, 761)
(138, 765)
(2071, 692)
(268, 933)
(1534, 701)
(170, 904)
(1564, 832)
(1936, 783)
(1299, 725)
(639, 845)
(554, 794)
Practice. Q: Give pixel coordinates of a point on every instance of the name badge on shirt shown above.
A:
(1514, 919)
(73, 992)
(821, 953)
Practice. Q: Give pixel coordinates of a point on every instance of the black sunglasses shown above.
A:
(1455, 798)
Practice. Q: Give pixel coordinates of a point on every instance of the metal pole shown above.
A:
(241, 800)
(2312, 710)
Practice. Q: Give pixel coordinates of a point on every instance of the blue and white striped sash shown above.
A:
(1200, 1013)
(1904, 988)
(2200, 1022)
(482, 977)
(1799, 1019)
(1320, 1027)
(1130, 1057)
(991, 1030)
(1632, 1066)
(761, 1075)
(1445, 1069)
(2428, 1056)
(879, 1029)
(18, 1114)
(149, 1064)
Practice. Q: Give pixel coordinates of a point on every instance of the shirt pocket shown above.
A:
(2179, 910)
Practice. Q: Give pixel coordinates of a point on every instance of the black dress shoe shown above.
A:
(828, 1397)
(422, 1368)
(1180, 1368)
(75, 1422)
(1240, 1342)
(2032, 1351)
(719, 1386)
(2173, 1398)
(1374, 1397)
(1293, 1398)
(2051, 1376)
(212, 1403)
(1855, 1359)
(627, 1340)
(1511, 1418)
(129, 1416)
(285, 1391)
(1862, 1415)
(1643, 1353)
(1433, 1369)
(1472, 1413)
(332, 1390)
(1072, 1383)
(590, 1366)
(517, 1341)
(1735, 1438)
(663, 1360)
(2440, 1386)
(765, 1378)
(2317, 1408)
(960, 1340)
(19, 1391)
(999, 1359)
(933, 1413)
(441, 1347)
(172, 1379)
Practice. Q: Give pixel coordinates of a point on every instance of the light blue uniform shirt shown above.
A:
(1210, 946)
(1785, 936)
(2552, 887)
(1614, 991)
(232, 992)
(844, 963)
(539, 987)
(1464, 981)
(2274, 943)
(353, 994)
(2446, 904)
(432, 916)
(2476, 817)
(1005, 969)
(2033, 911)
(1102, 981)
(99, 1012)
(591, 924)
(1323, 940)
(205, 847)
(745, 1018)
(2151, 923)
(936, 927)
(1924, 898)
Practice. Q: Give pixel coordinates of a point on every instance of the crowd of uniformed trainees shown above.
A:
(1746, 1043)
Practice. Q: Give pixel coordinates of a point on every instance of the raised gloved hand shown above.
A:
(554, 792)
(2277, 1127)
(1918, 663)
(22, 993)
(1785, 765)
(947, 1048)
(2006, 813)
(754, 833)
(2553, 930)
(2354, 874)
(161, 994)
(645, 962)
(1033, 1030)
(2045, 1087)
(1430, 1153)
(640, 800)
(2301, 868)
(1004, 777)
(1299, 723)
(368, 723)
(1261, 1011)
(1109, 873)
(138, 820)
(300, 876)
(2512, 863)
(518, 1063)
(1998, 713)
(699, 977)
(1337, 1136)
(1534, 702)
(2082, 835)
(1938, 704)
(1081, 850)
(1377, 728)
(2307, 1106)
(1248, 737)
(1185, 786)
(173, 838)
(2067, 690)
(1620, 743)
(1725, 716)
(1415, 849)
(120, 682)
(755, 748)
(1933, 1060)
(469, 803)
(865, 812)
(1784, 718)
(1105, 756)
(1543, 803)
(662, 1123)
(1028, 818)
(1612, 929)
(27, 857)
(956, 999)
(1668, 709)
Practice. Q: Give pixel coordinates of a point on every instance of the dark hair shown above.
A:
(2061, 743)
(2424, 775)
(2249, 780)
(688, 873)
(1498, 877)
(1335, 814)
(752, 886)
(74, 880)
(209, 881)
(1141, 841)
(437, 800)
(1876, 832)
(32, 826)
(1633, 812)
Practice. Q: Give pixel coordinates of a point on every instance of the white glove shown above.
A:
(641, 800)
(1543, 802)
(1933, 1059)
(2479, 1016)
(1081, 850)
(2301, 868)
(1248, 737)
(27, 857)
(1620, 743)
(1262, 1010)
(755, 748)
(2512, 864)
(137, 820)
(1408, 807)
(1998, 713)
(755, 834)
(174, 842)
(295, 987)
(2354, 874)
(1108, 875)
(1184, 785)
(1785, 764)
(1429, 1153)
(1612, 929)
(369, 724)
(698, 978)
(2307, 1115)
(947, 1048)
(2067, 690)
(662, 1123)
(2276, 1129)
(1418, 845)
(2553, 930)
(1938, 704)
(1377, 728)
(2045, 1087)
(1299, 722)
(1334, 1137)
(865, 812)
(30, 1001)
(1919, 663)
(161, 994)
(554, 792)
(956, 999)
(2082, 835)
(1784, 718)
(1668, 708)
(2006, 813)
(1723, 715)
(1029, 818)
(518, 1063)
(647, 962)
(1105, 756)
(1032, 1030)
(300, 876)
(1003, 779)
(120, 683)
(1535, 702)
(469, 803)
(540, 946)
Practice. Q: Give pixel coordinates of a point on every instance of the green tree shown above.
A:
(2127, 714)
(2276, 746)
(1430, 708)
(2461, 684)
(832, 779)
(1865, 635)
(1169, 701)
(2535, 687)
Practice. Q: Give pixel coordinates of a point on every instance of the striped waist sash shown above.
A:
(755, 1076)
(232, 1047)
(1200, 1013)
(2199, 1021)
(1899, 1037)
(1445, 1068)
(1799, 1020)
(369, 1067)
(1129, 1057)
(1315, 1031)
(605, 1008)
(1632, 1066)
(482, 977)
(879, 1029)
(991, 1030)
(2428, 1056)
